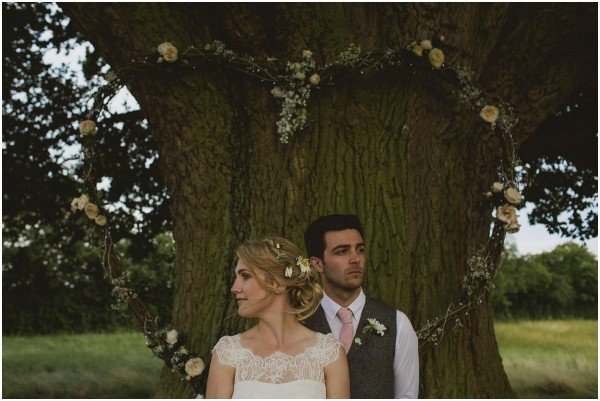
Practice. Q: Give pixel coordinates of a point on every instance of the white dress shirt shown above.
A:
(406, 360)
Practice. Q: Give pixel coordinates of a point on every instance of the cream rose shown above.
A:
(100, 220)
(168, 51)
(87, 127)
(426, 44)
(307, 54)
(171, 54)
(436, 58)
(497, 187)
(74, 203)
(194, 367)
(512, 227)
(296, 66)
(512, 196)
(91, 210)
(418, 50)
(163, 46)
(299, 75)
(315, 79)
(506, 213)
(82, 201)
(172, 337)
(489, 114)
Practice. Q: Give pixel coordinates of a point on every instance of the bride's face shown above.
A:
(250, 296)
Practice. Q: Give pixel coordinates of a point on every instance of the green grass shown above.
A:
(543, 359)
(116, 365)
(550, 359)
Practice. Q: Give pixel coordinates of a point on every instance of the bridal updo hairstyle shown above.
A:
(273, 256)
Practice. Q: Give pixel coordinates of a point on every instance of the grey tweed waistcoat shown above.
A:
(372, 363)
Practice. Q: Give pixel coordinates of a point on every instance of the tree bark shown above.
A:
(396, 148)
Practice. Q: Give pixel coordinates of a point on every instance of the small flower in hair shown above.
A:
(280, 253)
(289, 271)
(303, 264)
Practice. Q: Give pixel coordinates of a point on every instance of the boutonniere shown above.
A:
(372, 326)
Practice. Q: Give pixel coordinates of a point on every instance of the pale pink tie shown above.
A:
(347, 332)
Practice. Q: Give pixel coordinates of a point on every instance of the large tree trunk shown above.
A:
(395, 148)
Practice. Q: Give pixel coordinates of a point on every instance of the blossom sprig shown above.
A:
(350, 57)
(293, 91)
(219, 49)
(477, 281)
(168, 345)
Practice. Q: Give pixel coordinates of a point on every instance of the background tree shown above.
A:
(229, 178)
(557, 284)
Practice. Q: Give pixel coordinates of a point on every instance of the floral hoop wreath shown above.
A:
(292, 84)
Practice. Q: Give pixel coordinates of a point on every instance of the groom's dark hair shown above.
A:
(314, 236)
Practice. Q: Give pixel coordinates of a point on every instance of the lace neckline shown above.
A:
(278, 353)
(278, 367)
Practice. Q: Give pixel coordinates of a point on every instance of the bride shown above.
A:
(278, 357)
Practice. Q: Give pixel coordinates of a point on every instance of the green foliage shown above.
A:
(561, 283)
(152, 276)
(52, 278)
(41, 154)
(559, 185)
(49, 289)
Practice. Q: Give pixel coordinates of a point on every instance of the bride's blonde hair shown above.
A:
(283, 263)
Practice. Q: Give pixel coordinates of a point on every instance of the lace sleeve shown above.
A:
(225, 350)
(330, 350)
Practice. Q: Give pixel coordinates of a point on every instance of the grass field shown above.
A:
(550, 359)
(116, 365)
(545, 359)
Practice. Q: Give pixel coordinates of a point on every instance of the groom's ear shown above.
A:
(316, 264)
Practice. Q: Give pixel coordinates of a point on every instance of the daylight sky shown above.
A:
(535, 239)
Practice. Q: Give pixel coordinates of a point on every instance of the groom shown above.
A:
(383, 363)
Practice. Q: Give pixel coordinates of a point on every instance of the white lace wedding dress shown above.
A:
(278, 375)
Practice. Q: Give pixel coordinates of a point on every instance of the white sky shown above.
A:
(536, 239)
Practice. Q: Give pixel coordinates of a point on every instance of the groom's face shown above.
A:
(343, 261)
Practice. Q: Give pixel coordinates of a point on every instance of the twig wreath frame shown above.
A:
(293, 83)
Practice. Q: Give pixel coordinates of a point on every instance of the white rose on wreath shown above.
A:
(171, 338)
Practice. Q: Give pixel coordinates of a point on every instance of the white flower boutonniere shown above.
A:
(372, 326)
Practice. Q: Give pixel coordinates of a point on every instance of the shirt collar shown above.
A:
(330, 307)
